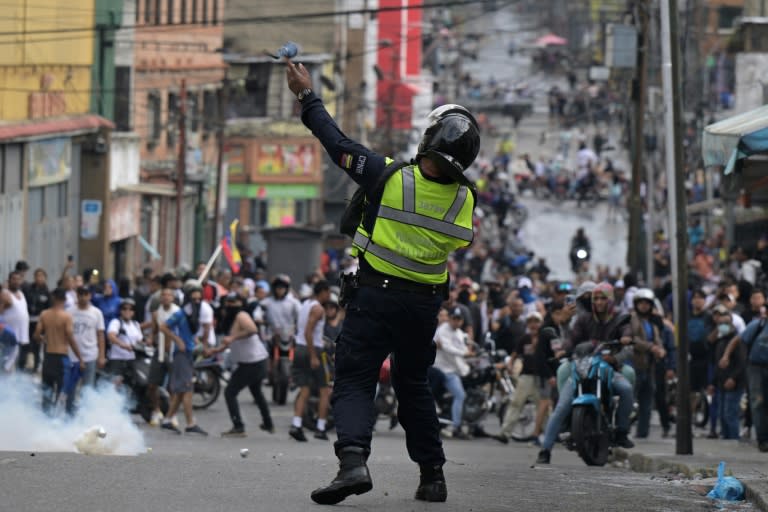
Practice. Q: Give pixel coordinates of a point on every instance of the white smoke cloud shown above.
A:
(26, 428)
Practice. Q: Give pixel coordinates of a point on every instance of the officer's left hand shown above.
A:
(298, 77)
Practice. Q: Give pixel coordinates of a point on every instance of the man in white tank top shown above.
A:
(310, 361)
(249, 355)
(13, 308)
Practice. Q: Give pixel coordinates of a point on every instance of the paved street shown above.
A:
(188, 474)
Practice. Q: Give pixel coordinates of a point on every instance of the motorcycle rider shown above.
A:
(281, 311)
(579, 242)
(601, 326)
(647, 349)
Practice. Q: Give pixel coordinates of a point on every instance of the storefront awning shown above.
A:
(155, 189)
(52, 127)
(726, 142)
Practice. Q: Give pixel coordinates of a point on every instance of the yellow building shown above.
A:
(55, 200)
(45, 59)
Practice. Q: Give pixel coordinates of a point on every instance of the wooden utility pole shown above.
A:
(670, 50)
(639, 92)
(218, 231)
(181, 167)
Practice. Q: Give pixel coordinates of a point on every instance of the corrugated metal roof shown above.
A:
(741, 124)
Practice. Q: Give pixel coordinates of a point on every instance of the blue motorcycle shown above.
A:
(593, 412)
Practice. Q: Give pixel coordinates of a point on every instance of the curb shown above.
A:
(755, 491)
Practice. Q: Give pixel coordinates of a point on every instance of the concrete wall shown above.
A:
(751, 74)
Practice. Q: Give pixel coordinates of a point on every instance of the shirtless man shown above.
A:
(55, 329)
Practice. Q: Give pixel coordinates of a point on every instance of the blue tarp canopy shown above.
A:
(728, 141)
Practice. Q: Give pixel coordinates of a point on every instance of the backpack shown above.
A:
(758, 349)
(353, 213)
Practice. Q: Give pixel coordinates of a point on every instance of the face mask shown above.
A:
(723, 329)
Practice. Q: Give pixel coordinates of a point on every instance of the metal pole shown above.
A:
(670, 50)
(639, 95)
(181, 167)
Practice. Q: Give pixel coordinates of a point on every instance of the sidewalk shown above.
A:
(743, 461)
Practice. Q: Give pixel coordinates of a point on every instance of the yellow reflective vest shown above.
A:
(418, 224)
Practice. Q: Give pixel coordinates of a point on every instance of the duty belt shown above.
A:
(403, 285)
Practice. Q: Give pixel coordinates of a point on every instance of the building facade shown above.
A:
(52, 148)
(176, 54)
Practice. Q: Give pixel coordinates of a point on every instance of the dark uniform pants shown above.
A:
(379, 322)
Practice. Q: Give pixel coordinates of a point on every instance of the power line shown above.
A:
(278, 18)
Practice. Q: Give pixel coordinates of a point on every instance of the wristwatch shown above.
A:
(303, 94)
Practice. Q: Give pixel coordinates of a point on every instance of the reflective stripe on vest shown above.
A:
(417, 225)
(367, 245)
(439, 226)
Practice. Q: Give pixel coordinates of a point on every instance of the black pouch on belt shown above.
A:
(347, 289)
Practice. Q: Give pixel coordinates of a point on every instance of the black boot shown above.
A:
(353, 477)
(432, 484)
(622, 439)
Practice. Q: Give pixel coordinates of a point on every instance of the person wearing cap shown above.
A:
(527, 382)
(334, 319)
(452, 348)
(421, 212)
(728, 300)
(123, 333)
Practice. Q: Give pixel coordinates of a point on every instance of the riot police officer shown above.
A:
(410, 225)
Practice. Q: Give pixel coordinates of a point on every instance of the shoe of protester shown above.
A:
(298, 434)
(167, 425)
(195, 429)
(234, 432)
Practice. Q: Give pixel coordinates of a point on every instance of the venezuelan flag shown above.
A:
(229, 248)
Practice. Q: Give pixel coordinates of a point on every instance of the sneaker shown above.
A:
(763, 446)
(270, 429)
(167, 425)
(459, 434)
(544, 457)
(623, 440)
(298, 434)
(235, 432)
(320, 434)
(194, 429)
(713, 435)
(156, 419)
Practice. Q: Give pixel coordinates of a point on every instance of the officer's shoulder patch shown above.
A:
(346, 161)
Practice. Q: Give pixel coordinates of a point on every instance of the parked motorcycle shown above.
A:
(138, 381)
(479, 387)
(593, 410)
(208, 375)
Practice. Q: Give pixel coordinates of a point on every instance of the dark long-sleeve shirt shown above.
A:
(360, 163)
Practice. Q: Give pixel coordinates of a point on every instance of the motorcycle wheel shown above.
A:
(701, 412)
(591, 444)
(280, 384)
(206, 389)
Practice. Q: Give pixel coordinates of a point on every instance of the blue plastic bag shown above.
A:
(727, 488)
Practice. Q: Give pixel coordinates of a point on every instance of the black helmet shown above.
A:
(281, 280)
(452, 140)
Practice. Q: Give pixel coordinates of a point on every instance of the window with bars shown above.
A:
(194, 11)
(173, 119)
(154, 118)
